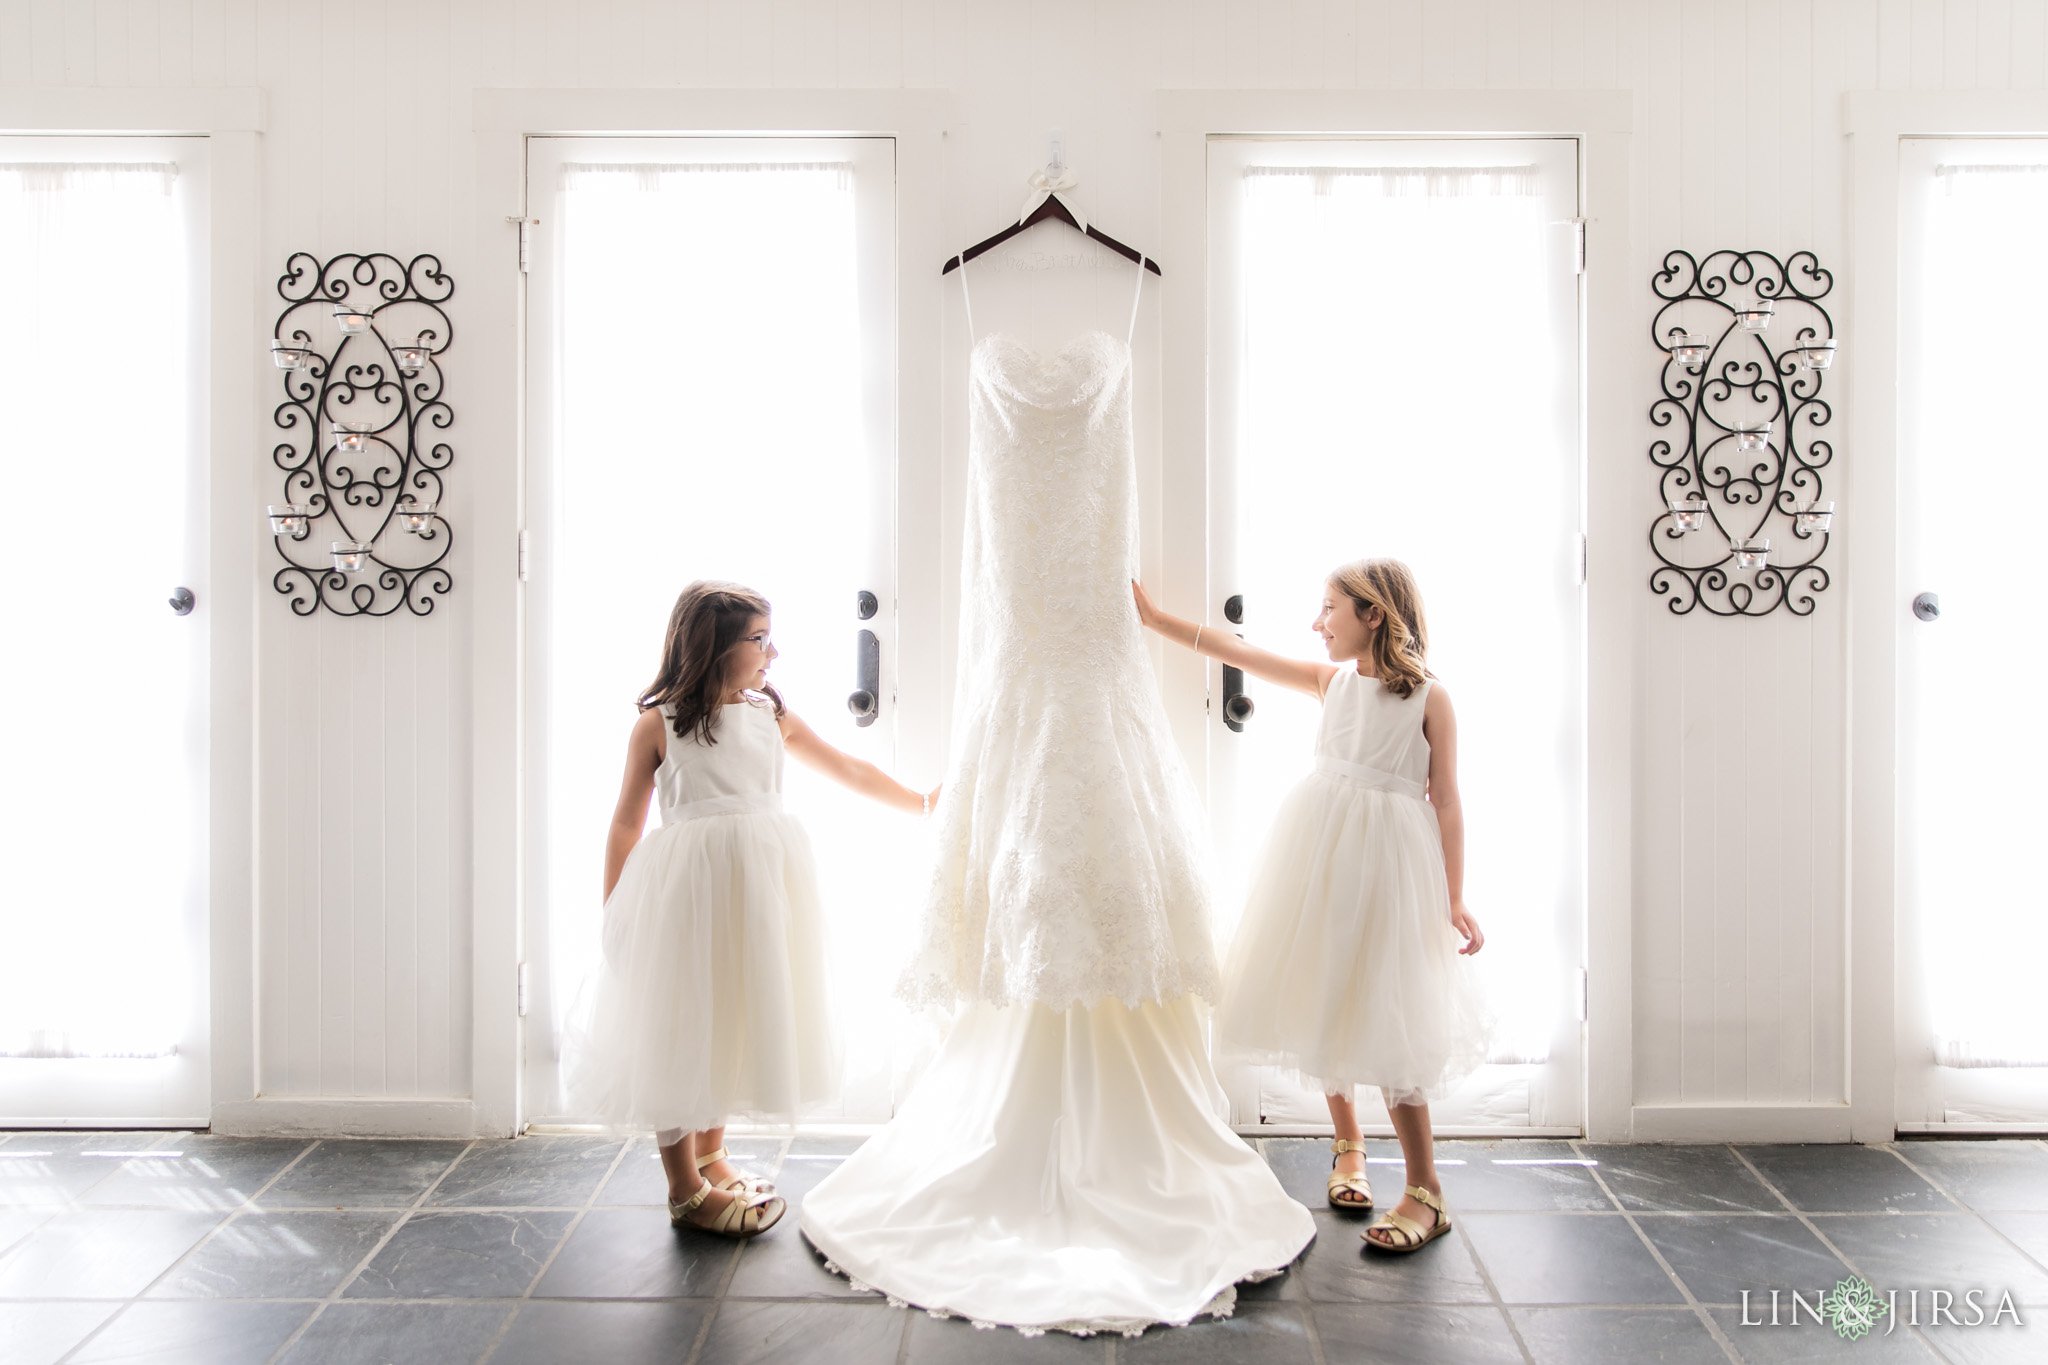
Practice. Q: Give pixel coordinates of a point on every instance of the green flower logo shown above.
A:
(1853, 1308)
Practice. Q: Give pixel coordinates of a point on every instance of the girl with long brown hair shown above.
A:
(710, 1000)
(1345, 967)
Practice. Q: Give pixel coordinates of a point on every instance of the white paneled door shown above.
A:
(103, 739)
(711, 385)
(1972, 733)
(1394, 370)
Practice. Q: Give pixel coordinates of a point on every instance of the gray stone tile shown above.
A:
(1810, 1343)
(49, 1170)
(1540, 1258)
(1567, 1336)
(363, 1173)
(399, 1334)
(1339, 1268)
(1720, 1256)
(1257, 1334)
(1660, 1177)
(193, 1334)
(1410, 1334)
(2029, 1231)
(41, 1333)
(1953, 1251)
(810, 1160)
(529, 1172)
(16, 1224)
(639, 1179)
(1985, 1344)
(657, 1333)
(2005, 1176)
(1840, 1177)
(296, 1254)
(797, 1333)
(1303, 1168)
(447, 1255)
(955, 1341)
(195, 1171)
(635, 1254)
(780, 1264)
(100, 1253)
(1515, 1174)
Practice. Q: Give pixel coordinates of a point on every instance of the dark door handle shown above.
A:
(1237, 707)
(866, 701)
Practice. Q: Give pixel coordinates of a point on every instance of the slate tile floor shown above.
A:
(550, 1250)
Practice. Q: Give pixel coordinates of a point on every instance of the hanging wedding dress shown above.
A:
(1064, 1162)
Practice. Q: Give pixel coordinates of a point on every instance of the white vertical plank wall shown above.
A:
(362, 734)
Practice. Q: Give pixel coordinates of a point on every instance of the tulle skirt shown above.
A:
(1062, 1169)
(710, 1001)
(1345, 967)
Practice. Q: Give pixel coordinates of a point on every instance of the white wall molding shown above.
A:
(134, 110)
(1601, 121)
(1744, 1123)
(346, 1116)
(503, 121)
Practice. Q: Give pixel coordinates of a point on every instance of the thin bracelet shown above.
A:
(927, 799)
(1197, 646)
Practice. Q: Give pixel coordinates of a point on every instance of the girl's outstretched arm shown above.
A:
(1440, 728)
(1303, 675)
(644, 753)
(843, 768)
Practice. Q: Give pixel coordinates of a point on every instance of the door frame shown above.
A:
(1602, 122)
(232, 122)
(918, 120)
(1883, 1082)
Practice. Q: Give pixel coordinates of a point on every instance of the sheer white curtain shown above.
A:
(710, 423)
(95, 380)
(1401, 398)
(1977, 739)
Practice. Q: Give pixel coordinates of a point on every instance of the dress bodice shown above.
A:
(1368, 732)
(745, 762)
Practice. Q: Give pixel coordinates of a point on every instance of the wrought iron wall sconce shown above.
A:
(358, 346)
(1745, 522)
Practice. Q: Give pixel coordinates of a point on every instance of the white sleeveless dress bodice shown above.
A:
(743, 771)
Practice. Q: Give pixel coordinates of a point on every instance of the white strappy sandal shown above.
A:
(1413, 1235)
(739, 1184)
(740, 1218)
(1352, 1181)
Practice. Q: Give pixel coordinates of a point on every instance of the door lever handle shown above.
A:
(866, 699)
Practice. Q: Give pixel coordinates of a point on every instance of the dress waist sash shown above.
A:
(1376, 778)
(746, 803)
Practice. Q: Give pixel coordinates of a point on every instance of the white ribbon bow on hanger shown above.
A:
(1045, 184)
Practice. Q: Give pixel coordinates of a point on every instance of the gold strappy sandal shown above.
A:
(1353, 1181)
(1414, 1236)
(741, 1217)
(741, 1183)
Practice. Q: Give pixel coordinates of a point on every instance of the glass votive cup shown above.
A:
(415, 516)
(1691, 354)
(1688, 514)
(1753, 439)
(288, 357)
(352, 321)
(1815, 516)
(349, 436)
(350, 554)
(1755, 317)
(1751, 552)
(411, 359)
(287, 519)
(1817, 356)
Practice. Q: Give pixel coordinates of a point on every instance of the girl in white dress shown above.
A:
(1345, 966)
(711, 999)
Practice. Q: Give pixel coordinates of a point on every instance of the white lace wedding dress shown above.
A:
(1065, 1160)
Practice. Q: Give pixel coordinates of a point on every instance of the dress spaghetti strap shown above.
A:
(1131, 333)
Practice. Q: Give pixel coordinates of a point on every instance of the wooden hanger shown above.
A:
(1050, 209)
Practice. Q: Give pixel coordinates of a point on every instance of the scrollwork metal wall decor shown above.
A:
(359, 345)
(1753, 426)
